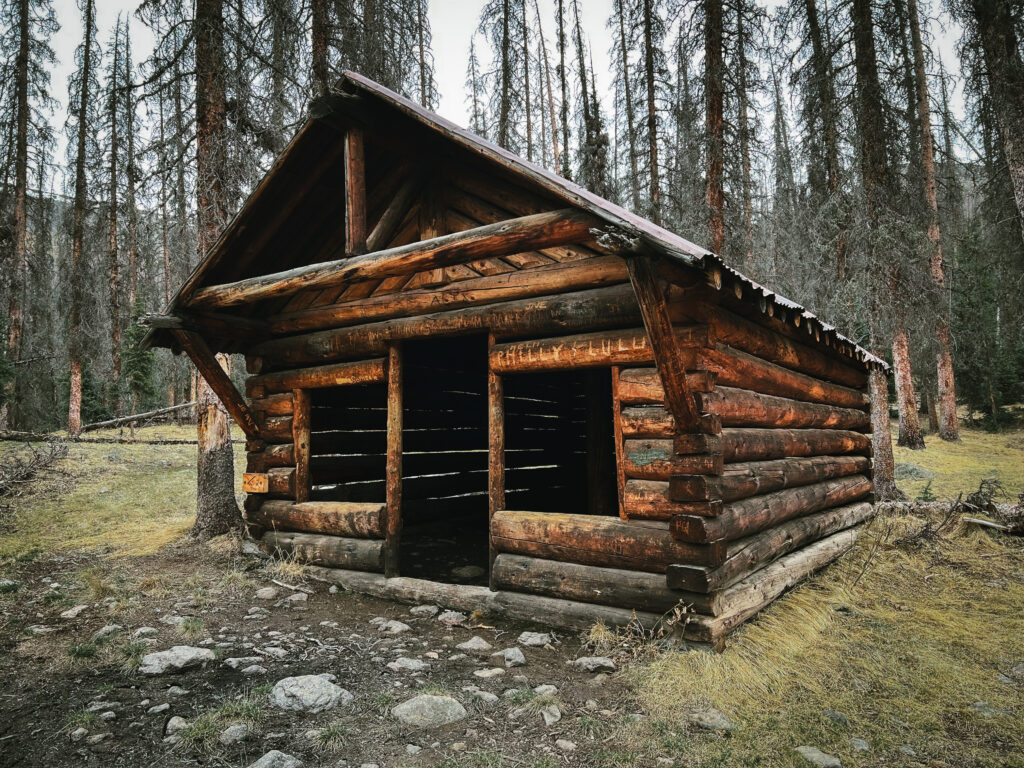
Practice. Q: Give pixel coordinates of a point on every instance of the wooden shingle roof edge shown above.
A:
(648, 235)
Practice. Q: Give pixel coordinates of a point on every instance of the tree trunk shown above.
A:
(131, 173)
(216, 510)
(652, 111)
(634, 173)
(547, 80)
(744, 136)
(906, 397)
(563, 77)
(714, 101)
(526, 86)
(506, 77)
(113, 274)
(948, 427)
(319, 44)
(1005, 69)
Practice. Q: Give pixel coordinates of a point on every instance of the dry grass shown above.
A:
(902, 645)
(961, 466)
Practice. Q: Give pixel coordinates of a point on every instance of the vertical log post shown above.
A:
(620, 470)
(300, 440)
(393, 489)
(355, 193)
(495, 450)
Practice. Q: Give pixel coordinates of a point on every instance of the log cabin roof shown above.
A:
(250, 245)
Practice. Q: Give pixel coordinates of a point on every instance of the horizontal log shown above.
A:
(508, 286)
(748, 516)
(281, 482)
(755, 339)
(273, 405)
(357, 520)
(587, 350)
(586, 583)
(610, 307)
(739, 445)
(738, 369)
(657, 460)
(650, 500)
(502, 238)
(596, 540)
(280, 455)
(332, 551)
(336, 375)
(744, 408)
(642, 386)
(745, 598)
(739, 481)
(749, 554)
(275, 429)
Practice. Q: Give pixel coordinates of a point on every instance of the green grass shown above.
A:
(961, 466)
(202, 733)
(83, 651)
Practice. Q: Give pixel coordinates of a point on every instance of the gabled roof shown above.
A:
(649, 235)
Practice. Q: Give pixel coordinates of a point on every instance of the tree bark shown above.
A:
(652, 111)
(906, 397)
(563, 78)
(113, 274)
(547, 80)
(634, 174)
(318, 13)
(744, 136)
(216, 510)
(714, 105)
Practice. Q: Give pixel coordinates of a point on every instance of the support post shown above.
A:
(355, 193)
(620, 467)
(206, 362)
(300, 439)
(495, 450)
(393, 485)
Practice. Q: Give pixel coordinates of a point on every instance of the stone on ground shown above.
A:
(551, 714)
(513, 657)
(108, 631)
(308, 693)
(266, 593)
(475, 643)
(814, 756)
(234, 734)
(487, 674)
(405, 664)
(594, 664)
(174, 725)
(241, 661)
(142, 632)
(451, 617)
(712, 720)
(429, 711)
(546, 690)
(565, 745)
(277, 759)
(159, 709)
(535, 639)
(72, 613)
(394, 627)
(253, 670)
(78, 734)
(174, 660)
(424, 610)
(860, 745)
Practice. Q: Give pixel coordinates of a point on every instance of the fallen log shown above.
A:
(137, 417)
(746, 555)
(335, 518)
(333, 551)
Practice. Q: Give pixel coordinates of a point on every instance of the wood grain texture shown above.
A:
(335, 518)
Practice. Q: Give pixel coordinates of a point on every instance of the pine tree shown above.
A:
(714, 121)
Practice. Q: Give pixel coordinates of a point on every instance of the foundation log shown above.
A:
(334, 518)
(331, 551)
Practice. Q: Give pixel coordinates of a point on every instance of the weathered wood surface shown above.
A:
(276, 429)
(650, 500)
(642, 386)
(609, 307)
(752, 553)
(336, 375)
(739, 481)
(495, 447)
(745, 598)
(206, 362)
(737, 444)
(275, 455)
(748, 516)
(255, 482)
(738, 369)
(664, 339)
(620, 472)
(393, 480)
(744, 408)
(355, 192)
(657, 460)
(332, 551)
(491, 240)
(586, 583)
(756, 339)
(586, 350)
(281, 482)
(596, 540)
(490, 289)
(335, 518)
(273, 405)
(301, 426)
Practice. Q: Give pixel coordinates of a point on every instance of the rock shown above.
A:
(594, 664)
(274, 652)
(836, 717)
(1005, 679)
(277, 759)
(172, 619)
(667, 762)
(394, 627)
(545, 690)
(712, 720)
(98, 738)
(78, 734)
(174, 660)
(308, 693)
(239, 661)
(99, 705)
(174, 725)
(452, 617)
(551, 714)
(108, 631)
(485, 696)
(565, 745)
(475, 644)
(266, 593)
(234, 734)
(142, 632)
(413, 749)
(513, 657)
(10, 585)
(254, 670)
(459, 746)
(158, 709)
(535, 639)
(487, 674)
(814, 756)
(108, 715)
(403, 664)
(424, 610)
(176, 690)
(429, 711)
(907, 750)
(985, 709)
(73, 613)
(859, 745)
(298, 597)
(467, 572)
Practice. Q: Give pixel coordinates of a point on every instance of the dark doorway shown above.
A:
(444, 460)
(348, 430)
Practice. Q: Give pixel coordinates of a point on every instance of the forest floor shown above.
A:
(909, 651)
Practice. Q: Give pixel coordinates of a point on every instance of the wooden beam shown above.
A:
(393, 483)
(390, 220)
(210, 369)
(620, 459)
(499, 239)
(337, 375)
(668, 357)
(359, 520)
(355, 192)
(495, 448)
(300, 441)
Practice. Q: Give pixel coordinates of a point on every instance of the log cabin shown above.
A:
(457, 358)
